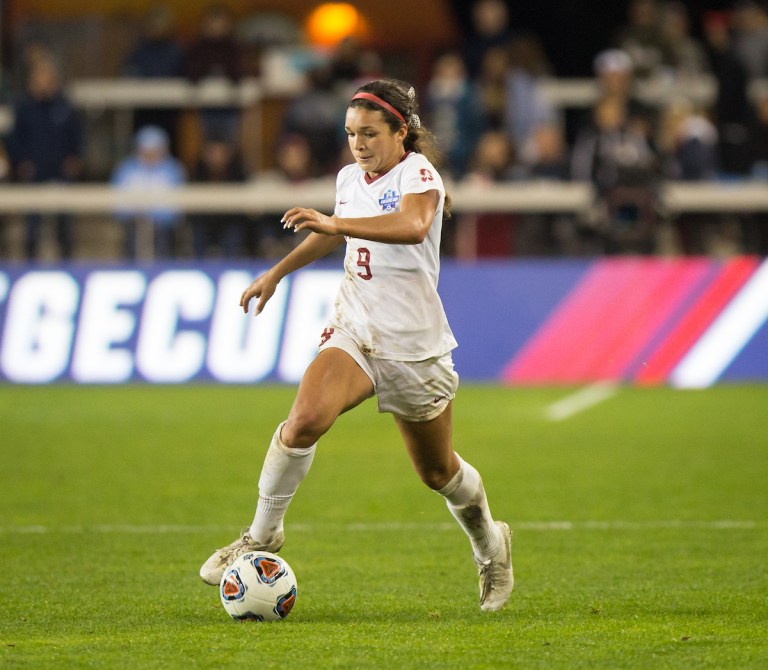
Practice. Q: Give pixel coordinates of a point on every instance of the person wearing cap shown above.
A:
(614, 151)
(149, 168)
(615, 73)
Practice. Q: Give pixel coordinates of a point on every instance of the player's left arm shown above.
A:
(409, 225)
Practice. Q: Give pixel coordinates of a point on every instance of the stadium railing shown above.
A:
(542, 197)
(123, 95)
(268, 197)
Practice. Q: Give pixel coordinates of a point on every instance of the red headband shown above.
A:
(381, 103)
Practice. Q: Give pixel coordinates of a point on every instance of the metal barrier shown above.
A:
(264, 197)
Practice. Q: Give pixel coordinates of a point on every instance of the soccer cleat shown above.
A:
(496, 577)
(213, 569)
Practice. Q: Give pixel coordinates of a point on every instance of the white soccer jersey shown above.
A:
(388, 300)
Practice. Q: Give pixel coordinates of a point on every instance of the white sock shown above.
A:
(281, 474)
(466, 500)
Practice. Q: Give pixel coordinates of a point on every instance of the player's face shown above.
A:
(373, 144)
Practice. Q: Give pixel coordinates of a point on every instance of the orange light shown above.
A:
(331, 22)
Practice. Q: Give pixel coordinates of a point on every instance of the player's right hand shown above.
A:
(263, 288)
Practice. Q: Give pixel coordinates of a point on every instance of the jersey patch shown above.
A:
(389, 200)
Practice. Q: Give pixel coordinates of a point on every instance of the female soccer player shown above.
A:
(388, 337)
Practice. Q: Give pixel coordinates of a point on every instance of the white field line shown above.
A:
(392, 526)
(581, 400)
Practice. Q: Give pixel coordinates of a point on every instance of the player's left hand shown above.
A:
(303, 218)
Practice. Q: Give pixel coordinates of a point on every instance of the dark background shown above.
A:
(572, 32)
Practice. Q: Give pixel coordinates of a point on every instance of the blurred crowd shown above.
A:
(483, 99)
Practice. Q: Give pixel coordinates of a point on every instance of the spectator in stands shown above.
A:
(294, 167)
(452, 110)
(688, 152)
(489, 30)
(44, 145)
(492, 87)
(314, 115)
(613, 151)
(733, 113)
(617, 158)
(149, 169)
(643, 40)
(687, 143)
(756, 226)
(351, 66)
(219, 163)
(493, 159)
(30, 51)
(614, 70)
(157, 55)
(687, 53)
(345, 60)
(545, 157)
(216, 55)
(759, 136)
(371, 67)
(294, 161)
(750, 37)
(5, 164)
(489, 233)
(525, 108)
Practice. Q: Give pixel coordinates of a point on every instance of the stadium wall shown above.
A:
(683, 322)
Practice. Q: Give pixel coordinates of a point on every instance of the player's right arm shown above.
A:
(313, 247)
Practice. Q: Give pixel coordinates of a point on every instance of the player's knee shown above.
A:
(305, 427)
(435, 477)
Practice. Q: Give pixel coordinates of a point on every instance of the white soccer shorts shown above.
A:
(412, 390)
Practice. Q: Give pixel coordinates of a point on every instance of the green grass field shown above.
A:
(641, 532)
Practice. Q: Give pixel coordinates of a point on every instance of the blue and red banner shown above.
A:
(684, 322)
(689, 323)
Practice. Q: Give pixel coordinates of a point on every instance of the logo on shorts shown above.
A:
(389, 200)
(326, 335)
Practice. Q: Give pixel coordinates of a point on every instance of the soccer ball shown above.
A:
(258, 586)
